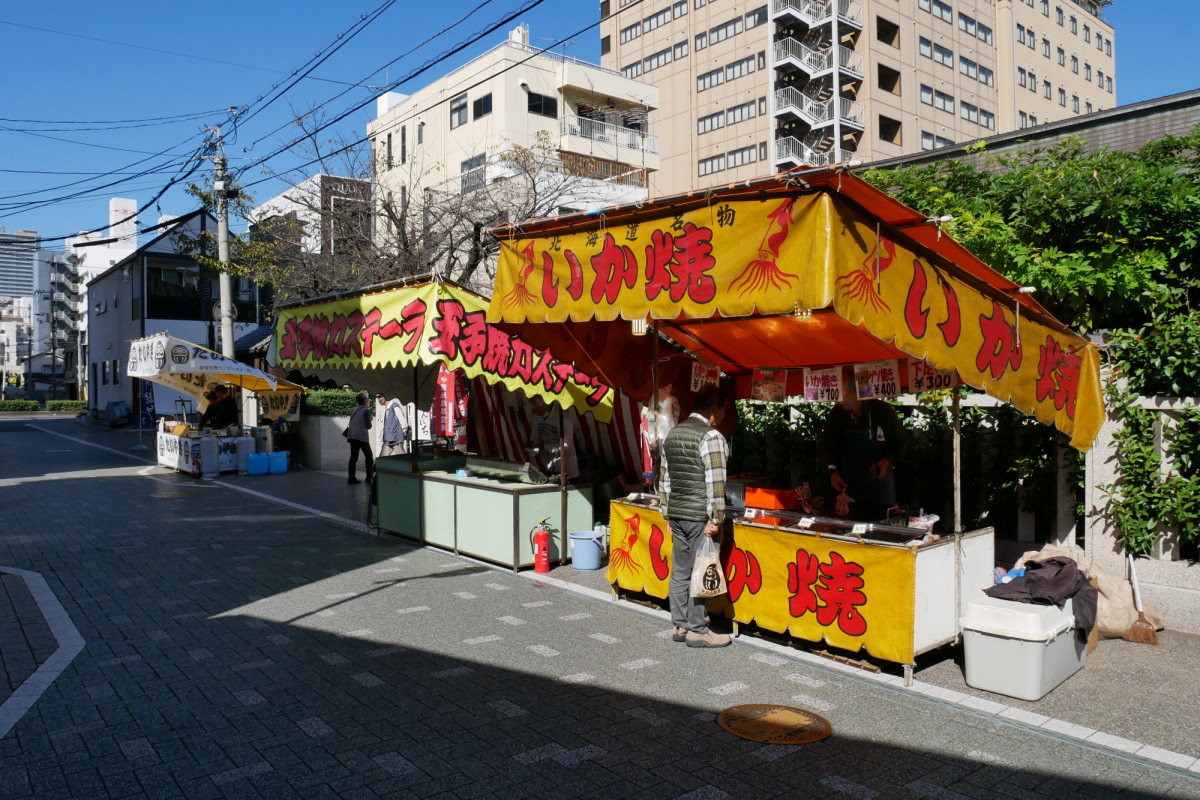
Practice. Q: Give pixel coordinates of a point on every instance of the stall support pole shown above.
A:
(654, 443)
(562, 485)
(956, 413)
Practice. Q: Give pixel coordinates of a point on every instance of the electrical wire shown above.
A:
(177, 117)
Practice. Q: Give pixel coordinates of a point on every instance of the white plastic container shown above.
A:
(1020, 650)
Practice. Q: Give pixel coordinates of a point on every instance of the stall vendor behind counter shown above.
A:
(860, 446)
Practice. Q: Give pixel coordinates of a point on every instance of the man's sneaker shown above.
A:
(680, 634)
(708, 639)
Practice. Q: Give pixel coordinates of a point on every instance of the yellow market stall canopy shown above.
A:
(808, 271)
(427, 324)
(193, 370)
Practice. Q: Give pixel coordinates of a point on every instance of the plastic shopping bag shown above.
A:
(708, 577)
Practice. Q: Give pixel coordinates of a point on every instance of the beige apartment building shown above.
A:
(750, 87)
(451, 135)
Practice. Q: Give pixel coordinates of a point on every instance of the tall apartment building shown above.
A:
(750, 87)
(18, 254)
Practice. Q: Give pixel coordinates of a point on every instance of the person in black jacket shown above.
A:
(222, 410)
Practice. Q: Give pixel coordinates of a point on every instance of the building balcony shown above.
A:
(814, 13)
(591, 137)
(791, 152)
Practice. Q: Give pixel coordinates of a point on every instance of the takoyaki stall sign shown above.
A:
(432, 323)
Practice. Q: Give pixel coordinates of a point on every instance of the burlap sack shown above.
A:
(1114, 606)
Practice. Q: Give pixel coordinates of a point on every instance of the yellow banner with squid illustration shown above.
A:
(850, 595)
(810, 251)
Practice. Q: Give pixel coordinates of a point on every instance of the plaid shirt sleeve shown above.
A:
(715, 454)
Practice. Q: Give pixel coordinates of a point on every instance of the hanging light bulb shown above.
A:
(801, 313)
(638, 327)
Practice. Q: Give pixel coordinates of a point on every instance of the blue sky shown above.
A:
(70, 62)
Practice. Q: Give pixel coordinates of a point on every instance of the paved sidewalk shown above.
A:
(245, 648)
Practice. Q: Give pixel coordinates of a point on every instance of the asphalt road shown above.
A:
(231, 647)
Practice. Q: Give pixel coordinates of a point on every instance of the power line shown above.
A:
(191, 115)
(74, 141)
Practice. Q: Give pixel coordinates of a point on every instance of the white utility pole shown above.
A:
(223, 189)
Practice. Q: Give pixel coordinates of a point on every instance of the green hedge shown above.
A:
(66, 405)
(19, 405)
(329, 402)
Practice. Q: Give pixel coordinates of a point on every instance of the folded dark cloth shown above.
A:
(1053, 582)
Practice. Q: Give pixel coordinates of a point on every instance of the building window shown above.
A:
(1087, 34)
(458, 111)
(739, 113)
(889, 80)
(104, 371)
(1033, 120)
(1099, 42)
(1075, 64)
(543, 105)
(1062, 57)
(680, 50)
(762, 59)
(723, 32)
(1032, 81)
(925, 47)
(1046, 89)
(1046, 48)
(743, 156)
(889, 130)
(943, 55)
(1021, 34)
(679, 9)
(1087, 108)
(657, 20)
(943, 101)
(473, 174)
(605, 45)
(926, 140)
(1062, 97)
(967, 24)
(739, 68)
(1021, 78)
(1074, 25)
(657, 60)
(969, 112)
(1087, 71)
(1108, 47)
(404, 140)
(987, 76)
(708, 166)
(1100, 78)
(710, 79)
(701, 3)
(923, 5)
(1108, 83)
(943, 11)
(632, 70)
(1075, 103)
(756, 17)
(762, 102)
(968, 67)
(1058, 15)
(988, 120)
(985, 34)
(1045, 8)
(481, 108)
(632, 32)
(927, 95)
(388, 150)
(1023, 120)
(710, 123)
(420, 132)
(701, 41)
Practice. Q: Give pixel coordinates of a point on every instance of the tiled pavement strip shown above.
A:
(235, 648)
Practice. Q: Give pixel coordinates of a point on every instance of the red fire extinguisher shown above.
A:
(195, 466)
(541, 546)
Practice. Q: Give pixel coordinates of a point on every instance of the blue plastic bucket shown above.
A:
(586, 549)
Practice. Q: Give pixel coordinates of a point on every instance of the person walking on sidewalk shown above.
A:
(693, 496)
(360, 440)
(393, 431)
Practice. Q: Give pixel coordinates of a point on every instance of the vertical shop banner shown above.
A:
(639, 550)
(924, 377)
(877, 379)
(146, 403)
(768, 385)
(450, 403)
(852, 596)
(704, 374)
(823, 385)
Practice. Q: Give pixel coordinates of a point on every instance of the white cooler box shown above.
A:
(1017, 649)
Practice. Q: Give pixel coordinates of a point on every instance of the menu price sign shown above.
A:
(823, 385)
(877, 379)
(924, 377)
(768, 384)
(704, 374)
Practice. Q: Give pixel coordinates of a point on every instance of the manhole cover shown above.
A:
(774, 724)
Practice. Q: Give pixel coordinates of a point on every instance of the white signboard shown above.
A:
(823, 385)
(923, 377)
(877, 379)
(704, 374)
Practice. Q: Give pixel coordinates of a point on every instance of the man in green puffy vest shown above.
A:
(693, 495)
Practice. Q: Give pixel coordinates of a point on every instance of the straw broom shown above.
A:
(1141, 631)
